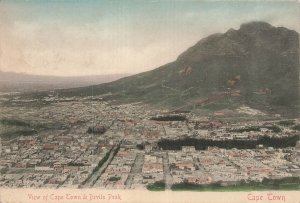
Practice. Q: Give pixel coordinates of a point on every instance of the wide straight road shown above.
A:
(96, 175)
(136, 169)
(167, 176)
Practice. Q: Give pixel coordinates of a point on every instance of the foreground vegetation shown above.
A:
(157, 186)
(288, 183)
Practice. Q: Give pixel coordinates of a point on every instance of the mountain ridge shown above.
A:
(257, 59)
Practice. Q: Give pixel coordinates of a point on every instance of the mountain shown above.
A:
(22, 82)
(258, 63)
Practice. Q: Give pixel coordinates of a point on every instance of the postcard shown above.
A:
(128, 101)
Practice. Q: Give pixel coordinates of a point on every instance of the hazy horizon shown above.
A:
(65, 76)
(83, 38)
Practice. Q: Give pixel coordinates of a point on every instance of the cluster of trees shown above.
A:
(203, 144)
(36, 125)
(287, 183)
(114, 178)
(140, 146)
(286, 122)
(75, 164)
(246, 129)
(169, 118)
(278, 182)
(157, 186)
(102, 161)
(274, 128)
(15, 122)
(296, 127)
(97, 130)
(13, 134)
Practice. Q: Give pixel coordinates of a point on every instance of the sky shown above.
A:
(94, 37)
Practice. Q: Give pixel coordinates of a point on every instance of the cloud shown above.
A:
(103, 43)
(11, 47)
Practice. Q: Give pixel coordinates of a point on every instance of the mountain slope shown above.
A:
(259, 61)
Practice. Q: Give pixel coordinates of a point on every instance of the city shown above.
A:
(87, 142)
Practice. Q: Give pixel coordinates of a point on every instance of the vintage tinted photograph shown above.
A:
(149, 95)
